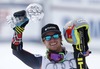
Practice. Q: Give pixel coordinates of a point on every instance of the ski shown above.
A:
(80, 50)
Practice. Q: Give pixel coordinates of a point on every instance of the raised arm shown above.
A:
(17, 44)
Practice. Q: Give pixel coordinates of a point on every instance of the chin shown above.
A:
(53, 49)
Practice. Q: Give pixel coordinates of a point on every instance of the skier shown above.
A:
(57, 57)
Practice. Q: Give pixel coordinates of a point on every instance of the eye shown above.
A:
(48, 37)
(56, 36)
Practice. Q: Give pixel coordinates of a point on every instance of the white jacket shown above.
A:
(69, 62)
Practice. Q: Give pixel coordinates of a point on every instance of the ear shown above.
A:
(43, 41)
(61, 37)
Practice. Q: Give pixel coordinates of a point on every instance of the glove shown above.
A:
(18, 22)
(21, 21)
(71, 32)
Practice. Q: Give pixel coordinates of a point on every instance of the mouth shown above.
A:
(53, 44)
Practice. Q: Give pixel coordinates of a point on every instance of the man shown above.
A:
(57, 57)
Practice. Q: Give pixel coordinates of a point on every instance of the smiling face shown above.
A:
(54, 43)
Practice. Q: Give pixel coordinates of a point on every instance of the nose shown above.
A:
(52, 39)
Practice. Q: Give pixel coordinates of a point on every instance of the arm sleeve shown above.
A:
(26, 57)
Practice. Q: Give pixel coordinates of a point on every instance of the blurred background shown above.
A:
(56, 11)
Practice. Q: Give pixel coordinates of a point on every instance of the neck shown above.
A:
(60, 49)
(57, 51)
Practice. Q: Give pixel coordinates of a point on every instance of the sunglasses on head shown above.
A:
(49, 37)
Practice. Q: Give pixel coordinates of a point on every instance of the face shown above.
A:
(54, 43)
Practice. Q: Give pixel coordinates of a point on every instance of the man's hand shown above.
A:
(18, 21)
(21, 18)
(87, 53)
(21, 21)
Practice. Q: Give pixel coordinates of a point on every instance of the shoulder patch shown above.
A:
(37, 55)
